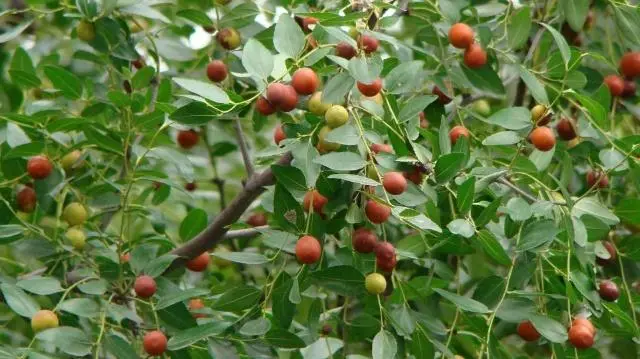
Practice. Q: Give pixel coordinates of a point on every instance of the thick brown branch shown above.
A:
(216, 231)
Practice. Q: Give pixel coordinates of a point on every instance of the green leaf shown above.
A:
(143, 77)
(173, 297)
(549, 328)
(242, 15)
(511, 118)
(519, 27)
(41, 285)
(257, 60)
(284, 339)
(365, 69)
(193, 335)
(465, 194)
(10, 233)
(322, 348)
(290, 177)
(628, 209)
(463, 303)
(502, 138)
(536, 234)
(242, 257)
(158, 266)
(19, 301)
(205, 90)
(561, 43)
(402, 78)
(366, 181)
(592, 206)
(343, 280)
(14, 32)
(337, 88)
(518, 209)
(413, 107)
(448, 166)
(485, 79)
(576, 13)
(627, 19)
(194, 223)
(344, 135)
(255, 327)
(625, 320)
(237, 299)
(421, 346)
(384, 345)
(493, 248)
(288, 38)
(119, 347)
(461, 227)
(22, 72)
(194, 113)
(535, 87)
(195, 16)
(341, 161)
(72, 341)
(82, 307)
(65, 81)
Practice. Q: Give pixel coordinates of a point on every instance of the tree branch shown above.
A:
(217, 230)
(244, 149)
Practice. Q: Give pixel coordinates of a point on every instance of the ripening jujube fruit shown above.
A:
(187, 138)
(364, 240)
(305, 81)
(370, 89)
(475, 56)
(155, 343)
(375, 283)
(456, 132)
(537, 112)
(278, 134)
(228, 38)
(336, 116)
(26, 199)
(308, 250)
(325, 145)
(308, 21)
(138, 63)
(443, 98)
(566, 129)
(394, 182)
(630, 64)
(257, 220)
(345, 50)
(44, 319)
(385, 256)
(86, 31)
(74, 214)
(542, 138)
(424, 123)
(195, 305)
(615, 84)
(199, 263)
(527, 331)
(368, 43)
(613, 254)
(39, 167)
(581, 337)
(381, 147)
(76, 237)
(377, 212)
(190, 186)
(71, 160)
(584, 322)
(316, 106)
(461, 36)
(282, 97)
(217, 71)
(629, 88)
(264, 106)
(314, 198)
(608, 291)
(414, 175)
(145, 286)
(597, 177)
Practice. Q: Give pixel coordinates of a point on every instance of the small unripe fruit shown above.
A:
(86, 31)
(154, 343)
(581, 337)
(481, 107)
(195, 305)
(345, 50)
(537, 112)
(305, 81)
(39, 167)
(629, 88)
(74, 214)
(443, 98)
(527, 331)
(264, 106)
(316, 106)
(187, 139)
(145, 286)
(336, 116)
(199, 263)
(364, 240)
(609, 291)
(377, 212)
(76, 237)
(257, 220)
(44, 319)
(375, 283)
(217, 71)
(566, 129)
(613, 254)
(308, 250)
(542, 138)
(381, 147)
(461, 36)
(597, 177)
(456, 132)
(307, 21)
(394, 182)
(370, 89)
(71, 160)
(26, 199)
(323, 143)
(278, 134)
(586, 323)
(630, 64)
(368, 43)
(615, 84)
(314, 197)
(190, 186)
(228, 38)
(475, 57)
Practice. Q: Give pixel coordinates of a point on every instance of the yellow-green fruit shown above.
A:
(76, 237)
(375, 283)
(221, 262)
(44, 319)
(229, 38)
(138, 25)
(537, 112)
(86, 31)
(336, 116)
(353, 32)
(323, 143)
(316, 106)
(370, 171)
(573, 143)
(70, 159)
(74, 213)
(481, 107)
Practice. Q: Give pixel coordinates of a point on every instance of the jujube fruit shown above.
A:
(145, 286)
(308, 250)
(283, 97)
(74, 214)
(527, 331)
(345, 50)
(394, 182)
(581, 337)
(187, 138)
(475, 56)
(424, 123)
(314, 198)
(385, 256)
(613, 254)
(368, 43)
(39, 167)
(630, 64)
(195, 305)
(598, 177)
(325, 145)
(336, 116)
(566, 129)
(308, 21)
(542, 138)
(228, 38)
(456, 132)
(76, 237)
(264, 106)
(370, 89)
(71, 160)
(377, 212)
(305, 81)
(375, 283)
(138, 63)
(481, 107)
(586, 323)
(86, 31)
(615, 84)
(364, 240)
(414, 175)
(44, 319)
(381, 147)
(608, 291)
(316, 106)
(199, 263)
(537, 112)
(190, 186)
(443, 98)
(217, 71)
(26, 199)
(461, 36)
(629, 88)
(257, 220)
(154, 343)
(278, 134)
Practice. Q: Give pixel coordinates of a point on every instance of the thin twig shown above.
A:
(244, 149)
